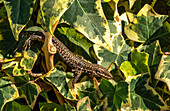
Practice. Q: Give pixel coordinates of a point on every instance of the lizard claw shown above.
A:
(76, 78)
(27, 43)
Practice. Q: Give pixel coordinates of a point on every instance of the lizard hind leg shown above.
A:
(76, 77)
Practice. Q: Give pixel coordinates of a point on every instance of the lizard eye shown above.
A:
(97, 71)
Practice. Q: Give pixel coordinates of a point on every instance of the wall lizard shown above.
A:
(78, 64)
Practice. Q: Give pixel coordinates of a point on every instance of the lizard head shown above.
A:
(101, 71)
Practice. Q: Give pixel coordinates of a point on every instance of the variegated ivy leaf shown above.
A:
(146, 25)
(163, 72)
(8, 92)
(58, 79)
(136, 5)
(88, 18)
(19, 12)
(7, 41)
(84, 104)
(155, 54)
(51, 11)
(92, 94)
(30, 92)
(27, 89)
(143, 96)
(76, 37)
(154, 51)
(27, 62)
(137, 65)
(69, 107)
(20, 63)
(117, 54)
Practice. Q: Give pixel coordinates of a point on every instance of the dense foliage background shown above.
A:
(128, 37)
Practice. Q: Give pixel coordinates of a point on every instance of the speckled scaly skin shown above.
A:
(78, 64)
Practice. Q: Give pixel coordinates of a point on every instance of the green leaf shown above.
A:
(128, 68)
(17, 71)
(84, 104)
(21, 80)
(168, 3)
(98, 107)
(115, 94)
(9, 64)
(8, 92)
(140, 60)
(142, 96)
(76, 38)
(88, 18)
(7, 41)
(51, 11)
(58, 79)
(19, 12)
(2, 13)
(30, 92)
(155, 54)
(146, 26)
(27, 63)
(15, 106)
(137, 65)
(51, 107)
(118, 53)
(163, 72)
(69, 107)
(92, 94)
(28, 60)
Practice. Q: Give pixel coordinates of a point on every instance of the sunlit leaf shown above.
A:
(140, 59)
(128, 68)
(88, 18)
(137, 65)
(143, 96)
(163, 72)
(28, 60)
(118, 54)
(9, 64)
(51, 11)
(17, 71)
(8, 92)
(146, 26)
(19, 13)
(58, 79)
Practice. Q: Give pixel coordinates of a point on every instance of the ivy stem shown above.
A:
(49, 58)
(49, 51)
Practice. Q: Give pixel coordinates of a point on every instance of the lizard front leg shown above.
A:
(79, 72)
